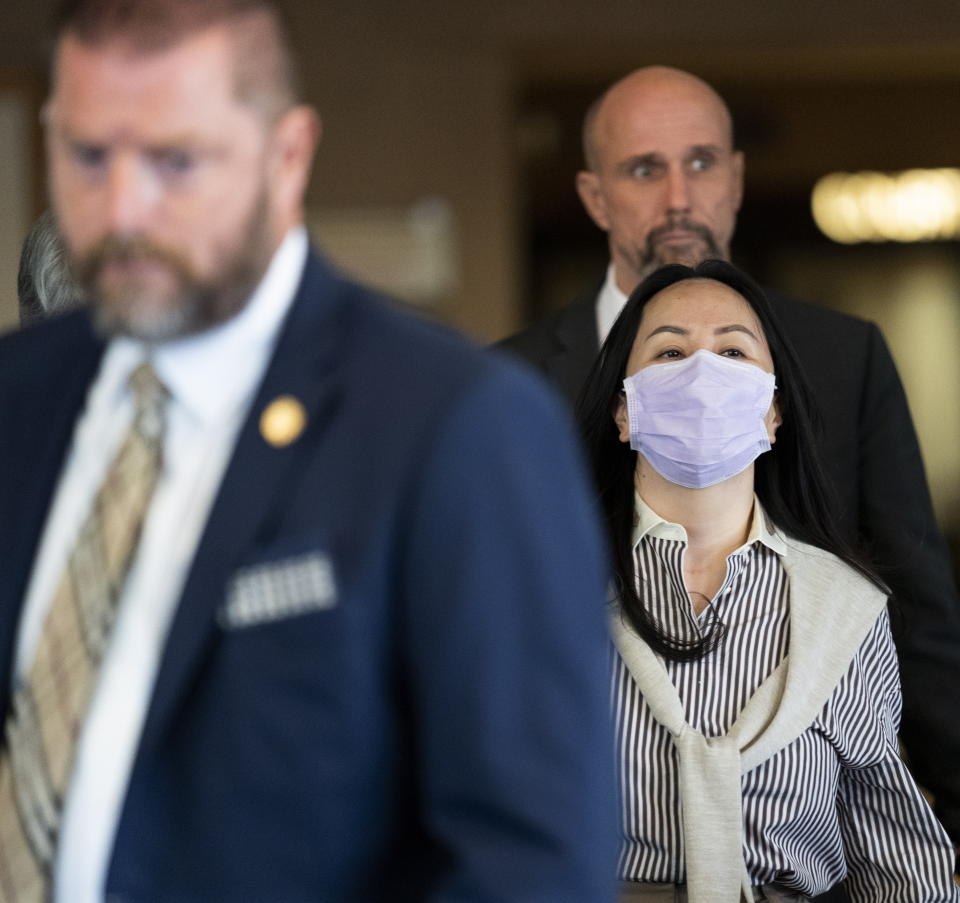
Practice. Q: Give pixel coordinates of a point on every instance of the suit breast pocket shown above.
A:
(279, 589)
(296, 629)
(291, 655)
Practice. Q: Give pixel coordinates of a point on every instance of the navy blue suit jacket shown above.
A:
(871, 450)
(441, 730)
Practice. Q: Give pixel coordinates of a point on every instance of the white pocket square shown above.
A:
(279, 589)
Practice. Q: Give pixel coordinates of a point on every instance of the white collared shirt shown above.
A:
(610, 302)
(212, 379)
(648, 522)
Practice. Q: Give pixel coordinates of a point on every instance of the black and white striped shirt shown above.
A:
(836, 803)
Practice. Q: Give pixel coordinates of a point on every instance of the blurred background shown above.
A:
(452, 139)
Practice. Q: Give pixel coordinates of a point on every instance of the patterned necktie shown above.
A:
(50, 702)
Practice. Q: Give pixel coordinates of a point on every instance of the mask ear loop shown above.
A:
(621, 398)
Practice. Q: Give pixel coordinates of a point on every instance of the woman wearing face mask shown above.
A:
(755, 683)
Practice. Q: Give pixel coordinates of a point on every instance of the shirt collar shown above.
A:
(214, 373)
(762, 530)
(610, 302)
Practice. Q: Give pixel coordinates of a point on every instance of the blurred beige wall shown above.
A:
(407, 120)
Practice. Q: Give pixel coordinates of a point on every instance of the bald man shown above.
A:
(664, 181)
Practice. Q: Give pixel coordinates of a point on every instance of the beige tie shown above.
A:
(50, 703)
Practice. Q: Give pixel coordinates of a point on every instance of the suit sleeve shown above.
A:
(505, 653)
(898, 524)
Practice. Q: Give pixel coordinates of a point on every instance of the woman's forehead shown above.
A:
(700, 302)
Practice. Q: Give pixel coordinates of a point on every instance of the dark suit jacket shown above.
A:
(441, 730)
(871, 451)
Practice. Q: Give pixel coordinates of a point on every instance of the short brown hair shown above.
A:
(265, 73)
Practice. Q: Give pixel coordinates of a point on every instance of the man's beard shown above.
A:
(654, 255)
(135, 307)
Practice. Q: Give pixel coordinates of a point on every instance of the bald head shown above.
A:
(651, 86)
(662, 178)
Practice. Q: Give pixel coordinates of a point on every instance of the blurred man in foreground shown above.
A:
(302, 597)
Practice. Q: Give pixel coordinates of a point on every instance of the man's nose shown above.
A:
(130, 195)
(678, 190)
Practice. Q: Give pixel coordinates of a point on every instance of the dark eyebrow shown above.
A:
(735, 327)
(698, 149)
(632, 163)
(676, 330)
(722, 330)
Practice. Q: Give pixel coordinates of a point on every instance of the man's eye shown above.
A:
(89, 156)
(174, 162)
(645, 170)
(702, 164)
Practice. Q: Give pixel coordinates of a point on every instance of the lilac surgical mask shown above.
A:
(700, 420)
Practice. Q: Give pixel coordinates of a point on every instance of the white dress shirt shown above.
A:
(212, 379)
(610, 302)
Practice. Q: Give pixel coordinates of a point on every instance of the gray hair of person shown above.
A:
(45, 285)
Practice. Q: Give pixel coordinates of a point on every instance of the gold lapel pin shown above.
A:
(282, 421)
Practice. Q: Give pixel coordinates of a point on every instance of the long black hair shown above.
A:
(789, 480)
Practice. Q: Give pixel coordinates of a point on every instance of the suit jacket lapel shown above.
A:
(303, 366)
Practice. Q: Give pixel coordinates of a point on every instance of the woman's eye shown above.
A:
(669, 354)
(732, 352)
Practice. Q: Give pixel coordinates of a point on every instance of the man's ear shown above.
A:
(739, 165)
(621, 419)
(592, 198)
(296, 136)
